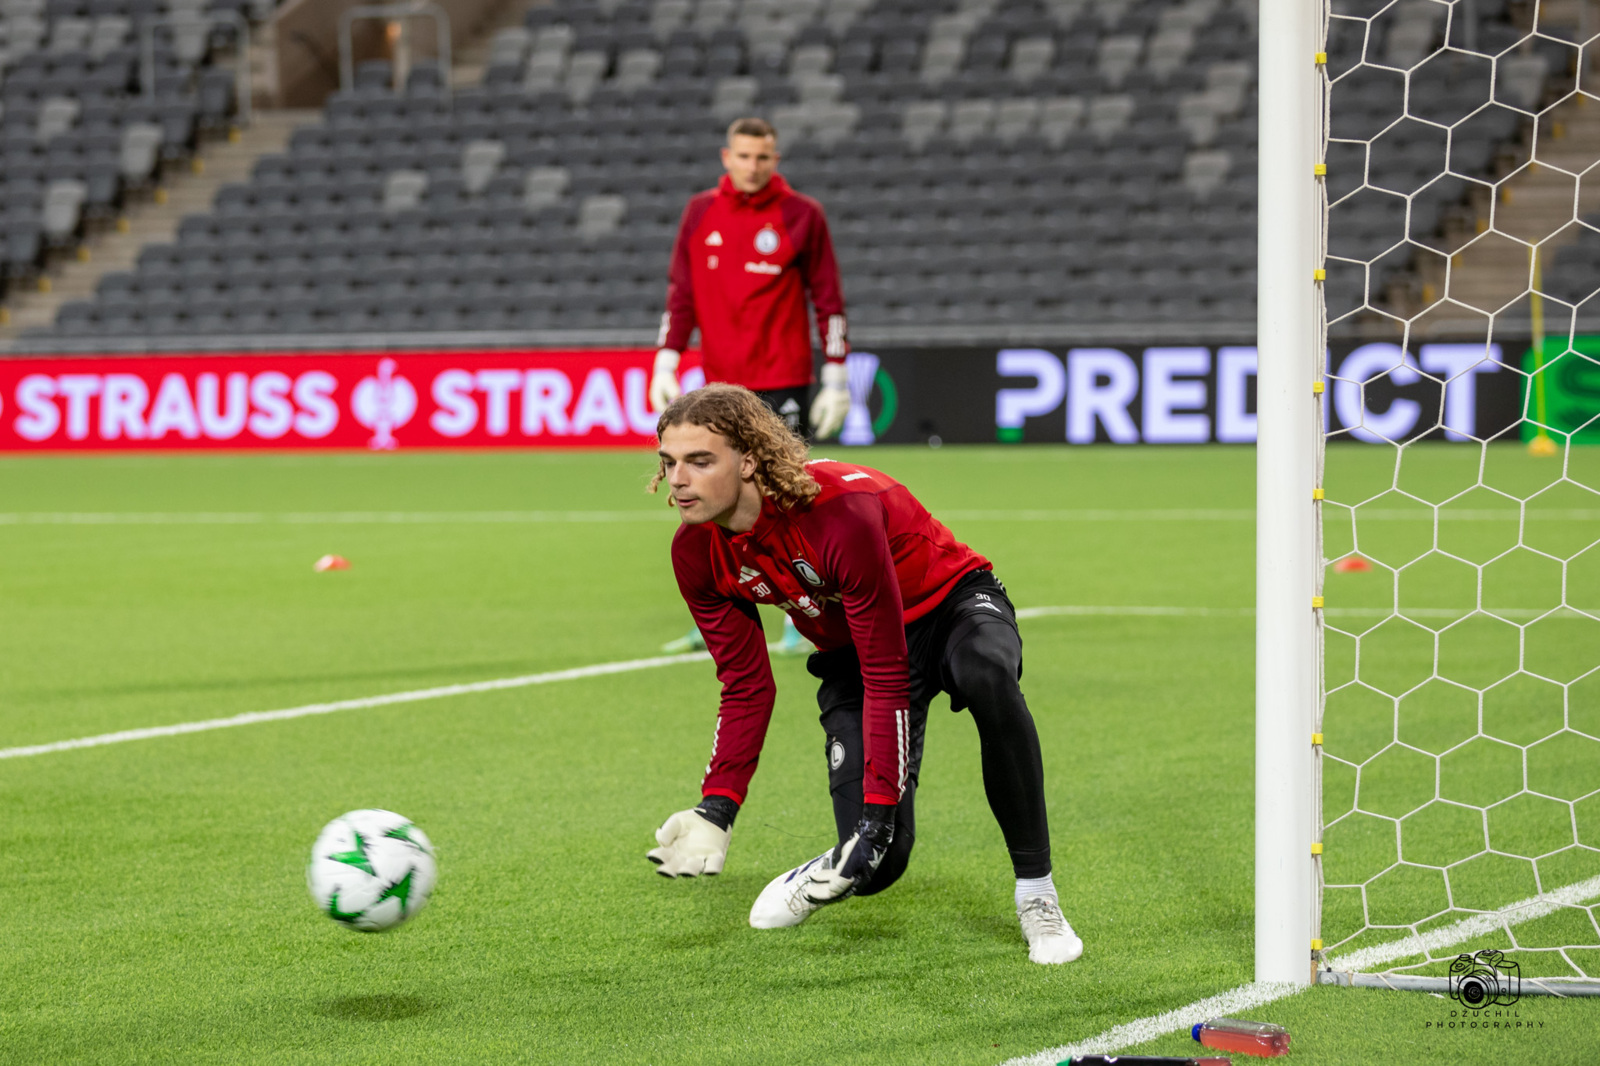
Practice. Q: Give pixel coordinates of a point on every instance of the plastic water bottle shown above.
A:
(1143, 1060)
(1247, 1038)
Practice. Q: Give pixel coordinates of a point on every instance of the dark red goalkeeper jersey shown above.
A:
(854, 566)
(741, 269)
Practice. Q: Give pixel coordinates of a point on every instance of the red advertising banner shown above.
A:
(492, 399)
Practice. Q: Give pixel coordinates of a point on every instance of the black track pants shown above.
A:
(969, 647)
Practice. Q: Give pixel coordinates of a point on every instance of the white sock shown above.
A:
(1028, 887)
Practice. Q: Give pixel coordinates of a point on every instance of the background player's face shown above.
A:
(750, 161)
(707, 477)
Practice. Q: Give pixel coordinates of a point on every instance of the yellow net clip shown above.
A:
(1316, 388)
(1320, 170)
(1316, 849)
(1322, 59)
(1316, 603)
(1318, 494)
(1316, 945)
(1316, 739)
(1319, 275)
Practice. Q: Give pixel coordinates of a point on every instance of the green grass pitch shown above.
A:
(152, 897)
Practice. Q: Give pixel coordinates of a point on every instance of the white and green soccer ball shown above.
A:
(371, 870)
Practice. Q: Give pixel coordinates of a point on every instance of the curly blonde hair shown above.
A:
(751, 427)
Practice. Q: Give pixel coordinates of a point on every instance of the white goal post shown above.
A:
(1290, 336)
(1451, 820)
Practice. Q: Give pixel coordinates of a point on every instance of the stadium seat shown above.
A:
(977, 136)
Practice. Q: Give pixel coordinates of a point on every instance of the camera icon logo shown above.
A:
(1486, 979)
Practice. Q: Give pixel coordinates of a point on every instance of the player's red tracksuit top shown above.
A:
(853, 567)
(741, 268)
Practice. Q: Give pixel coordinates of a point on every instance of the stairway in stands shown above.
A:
(151, 221)
(1537, 200)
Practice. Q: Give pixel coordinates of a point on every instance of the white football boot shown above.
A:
(1050, 938)
(783, 902)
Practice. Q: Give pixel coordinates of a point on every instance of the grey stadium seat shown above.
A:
(546, 187)
(403, 190)
(1031, 57)
(480, 160)
(62, 210)
(56, 116)
(638, 67)
(1204, 171)
(600, 215)
(734, 96)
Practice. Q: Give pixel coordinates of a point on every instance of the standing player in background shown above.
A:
(748, 254)
(899, 611)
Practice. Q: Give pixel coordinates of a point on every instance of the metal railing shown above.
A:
(393, 13)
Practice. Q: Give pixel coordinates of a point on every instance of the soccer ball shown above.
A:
(371, 870)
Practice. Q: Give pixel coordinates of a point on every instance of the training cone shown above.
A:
(1351, 564)
(331, 562)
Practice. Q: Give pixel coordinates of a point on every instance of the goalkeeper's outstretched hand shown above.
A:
(832, 403)
(664, 386)
(695, 842)
(858, 859)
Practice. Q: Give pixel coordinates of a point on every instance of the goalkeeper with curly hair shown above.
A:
(749, 255)
(898, 609)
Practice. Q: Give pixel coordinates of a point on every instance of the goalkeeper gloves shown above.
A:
(832, 403)
(857, 860)
(664, 380)
(695, 842)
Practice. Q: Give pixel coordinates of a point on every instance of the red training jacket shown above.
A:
(741, 268)
(854, 566)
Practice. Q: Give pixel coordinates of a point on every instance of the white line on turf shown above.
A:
(1248, 996)
(315, 518)
(1525, 910)
(601, 669)
(1235, 1001)
(255, 717)
(1137, 612)
(301, 518)
(1330, 612)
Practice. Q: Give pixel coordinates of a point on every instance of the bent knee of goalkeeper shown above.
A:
(986, 668)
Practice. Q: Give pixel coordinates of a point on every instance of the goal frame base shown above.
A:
(1560, 987)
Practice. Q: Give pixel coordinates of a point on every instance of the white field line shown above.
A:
(1329, 612)
(1237, 1001)
(1136, 612)
(1248, 996)
(600, 670)
(318, 518)
(293, 518)
(255, 717)
(1363, 959)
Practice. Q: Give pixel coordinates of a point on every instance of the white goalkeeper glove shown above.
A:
(664, 386)
(857, 860)
(692, 843)
(832, 403)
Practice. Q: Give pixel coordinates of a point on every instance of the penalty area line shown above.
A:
(1259, 994)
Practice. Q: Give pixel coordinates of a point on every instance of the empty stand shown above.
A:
(981, 161)
(95, 96)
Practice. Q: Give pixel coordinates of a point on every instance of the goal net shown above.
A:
(1457, 733)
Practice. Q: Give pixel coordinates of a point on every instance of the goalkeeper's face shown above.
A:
(750, 161)
(710, 481)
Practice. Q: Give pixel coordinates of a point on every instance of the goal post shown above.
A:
(1290, 339)
(1428, 585)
